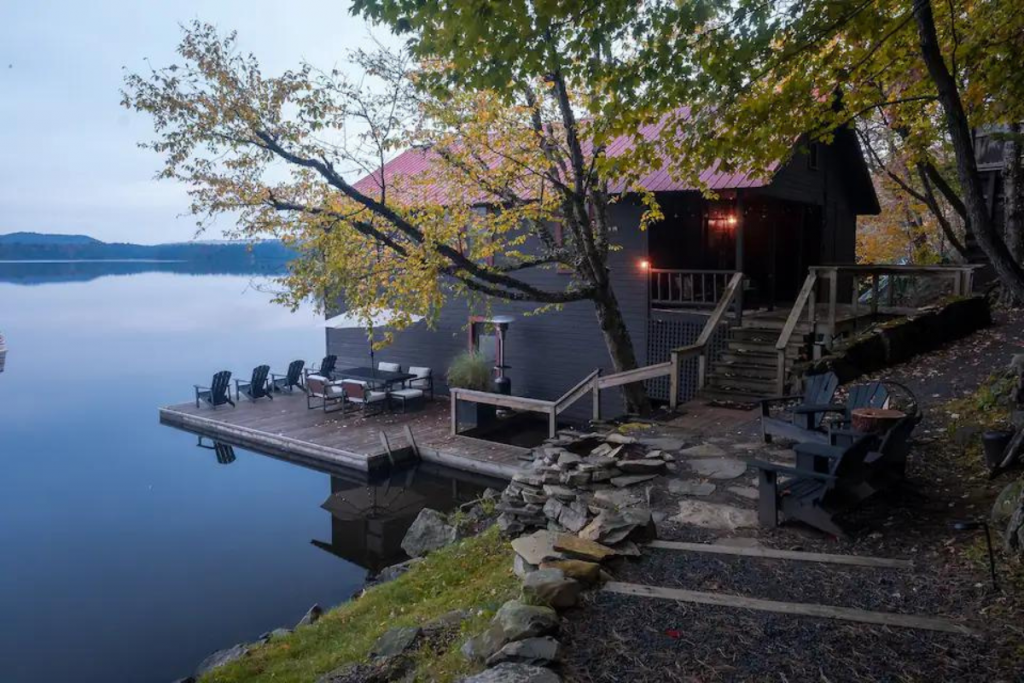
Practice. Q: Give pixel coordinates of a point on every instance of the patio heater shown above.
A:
(502, 384)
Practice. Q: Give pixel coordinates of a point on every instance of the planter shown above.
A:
(475, 415)
(875, 420)
(995, 443)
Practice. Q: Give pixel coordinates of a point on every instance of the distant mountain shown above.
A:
(31, 246)
(43, 238)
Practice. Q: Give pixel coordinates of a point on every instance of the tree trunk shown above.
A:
(620, 345)
(1013, 193)
(1009, 271)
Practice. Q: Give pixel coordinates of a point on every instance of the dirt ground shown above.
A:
(626, 638)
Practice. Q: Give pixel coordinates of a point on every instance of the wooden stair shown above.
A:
(747, 370)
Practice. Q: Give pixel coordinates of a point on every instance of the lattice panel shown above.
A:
(663, 335)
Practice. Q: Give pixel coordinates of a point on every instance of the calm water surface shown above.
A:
(126, 552)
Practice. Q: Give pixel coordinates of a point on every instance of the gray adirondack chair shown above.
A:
(218, 393)
(257, 387)
(289, 380)
(802, 421)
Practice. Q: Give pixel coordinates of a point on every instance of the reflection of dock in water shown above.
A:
(369, 518)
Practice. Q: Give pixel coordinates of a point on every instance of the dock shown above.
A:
(286, 428)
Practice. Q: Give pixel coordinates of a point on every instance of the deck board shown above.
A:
(286, 427)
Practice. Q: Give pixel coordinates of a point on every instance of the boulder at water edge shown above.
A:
(429, 532)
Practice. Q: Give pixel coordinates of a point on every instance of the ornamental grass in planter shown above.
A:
(470, 370)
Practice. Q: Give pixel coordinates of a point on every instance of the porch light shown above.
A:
(645, 264)
(732, 219)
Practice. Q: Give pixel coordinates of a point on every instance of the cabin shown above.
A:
(669, 280)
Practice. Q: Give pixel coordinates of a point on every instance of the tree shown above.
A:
(274, 152)
(757, 75)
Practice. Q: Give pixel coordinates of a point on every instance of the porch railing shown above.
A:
(694, 288)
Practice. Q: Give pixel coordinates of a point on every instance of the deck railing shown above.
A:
(687, 288)
(960, 278)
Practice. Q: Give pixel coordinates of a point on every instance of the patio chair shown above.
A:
(326, 367)
(328, 392)
(802, 422)
(815, 498)
(257, 387)
(219, 391)
(289, 380)
(360, 393)
(888, 460)
(389, 367)
(406, 396)
(424, 380)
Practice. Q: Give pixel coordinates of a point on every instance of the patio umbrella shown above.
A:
(382, 318)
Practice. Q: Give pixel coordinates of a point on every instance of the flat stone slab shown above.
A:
(620, 498)
(537, 547)
(509, 672)
(750, 446)
(748, 492)
(396, 641)
(718, 468)
(665, 443)
(714, 515)
(704, 450)
(582, 549)
(631, 479)
(688, 487)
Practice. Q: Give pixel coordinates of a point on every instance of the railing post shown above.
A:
(780, 373)
(874, 294)
(702, 368)
(455, 414)
(833, 295)
(552, 423)
(596, 397)
(673, 382)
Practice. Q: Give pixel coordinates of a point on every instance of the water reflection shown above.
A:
(369, 519)
(225, 452)
(52, 272)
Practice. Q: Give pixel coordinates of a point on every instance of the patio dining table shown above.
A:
(374, 377)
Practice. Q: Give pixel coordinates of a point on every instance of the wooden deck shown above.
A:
(285, 428)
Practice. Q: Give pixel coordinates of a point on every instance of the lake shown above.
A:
(128, 552)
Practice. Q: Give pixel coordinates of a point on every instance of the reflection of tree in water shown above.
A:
(369, 519)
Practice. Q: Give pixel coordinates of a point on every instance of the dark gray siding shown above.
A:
(548, 352)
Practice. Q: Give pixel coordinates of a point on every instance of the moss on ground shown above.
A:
(474, 575)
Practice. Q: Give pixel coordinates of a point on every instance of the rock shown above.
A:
(644, 466)
(601, 450)
(599, 460)
(509, 525)
(619, 498)
(448, 620)
(481, 646)
(714, 515)
(490, 494)
(395, 641)
(582, 549)
(186, 679)
(222, 657)
(519, 620)
(394, 571)
(584, 572)
(632, 479)
(429, 532)
(626, 549)
(537, 547)
(749, 446)
(509, 672)
(1007, 502)
(613, 527)
(688, 487)
(1013, 536)
(559, 492)
(534, 498)
(577, 479)
(521, 567)
(619, 439)
(378, 671)
(567, 460)
(553, 508)
(704, 450)
(571, 519)
(311, 616)
(602, 475)
(527, 478)
(748, 492)
(276, 634)
(664, 443)
(551, 588)
(537, 651)
(718, 468)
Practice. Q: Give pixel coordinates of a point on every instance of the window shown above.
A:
(813, 152)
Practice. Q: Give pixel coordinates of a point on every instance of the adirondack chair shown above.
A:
(815, 498)
(219, 391)
(257, 387)
(289, 380)
(326, 368)
(864, 395)
(801, 422)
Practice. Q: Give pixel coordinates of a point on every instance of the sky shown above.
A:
(69, 161)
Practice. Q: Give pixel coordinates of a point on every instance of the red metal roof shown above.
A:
(415, 164)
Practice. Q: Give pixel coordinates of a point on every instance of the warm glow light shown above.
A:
(732, 219)
(644, 265)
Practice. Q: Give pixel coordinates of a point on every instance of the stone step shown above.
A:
(745, 369)
(792, 351)
(729, 395)
(746, 384)
(753, 358)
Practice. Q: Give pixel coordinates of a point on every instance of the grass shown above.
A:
(474, 575)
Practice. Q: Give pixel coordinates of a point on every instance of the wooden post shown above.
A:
(874, 294)
(957, 283)
(740, 220)
(968, 281)
(854, 298)
(812, 308)
(673, 382)
(596, 396)
(892, 289)
(833, 294)
(552, 423)
(455, 413)
(780, 373)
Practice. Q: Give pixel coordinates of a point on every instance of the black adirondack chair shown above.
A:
(802, 421)
(326, 368)
(289, 380)
(815, 498)
(257, 387)
(219, 391)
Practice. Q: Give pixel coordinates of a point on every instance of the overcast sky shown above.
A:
(68, 156)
